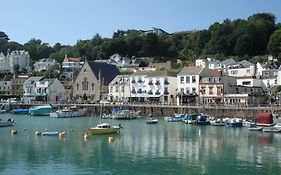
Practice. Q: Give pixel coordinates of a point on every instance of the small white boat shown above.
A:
(255, 128)
(152, 121)
(68, 112)
(104, 128)
(9, 122)
(275, 128)
(50, 133)
(217, 122)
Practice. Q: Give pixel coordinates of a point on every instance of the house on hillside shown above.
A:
(40, 90)
(71, 66)
(44, 64)
(92, 81)
(17, 57)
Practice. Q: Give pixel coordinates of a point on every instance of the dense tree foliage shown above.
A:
(256, 36)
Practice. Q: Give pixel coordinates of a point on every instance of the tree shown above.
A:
(3, 40)
(274, 45)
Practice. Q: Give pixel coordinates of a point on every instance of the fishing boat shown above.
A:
(9, 122)
(104, 128)
(42, 110)
(69, 112)
(20, 111)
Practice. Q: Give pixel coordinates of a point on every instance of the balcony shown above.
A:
(166, 92)
(150, 83)
(157, 93)
(157, 83)
(133, 81)
(150, 92)
(134, 91)
(140, 81)
(139, 91)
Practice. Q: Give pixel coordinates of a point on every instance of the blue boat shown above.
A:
(174, 118)
(43, 110)
(20, 111)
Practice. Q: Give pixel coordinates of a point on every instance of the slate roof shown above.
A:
(32, 80)
(107, 71)
(191, 70)
(155, 73)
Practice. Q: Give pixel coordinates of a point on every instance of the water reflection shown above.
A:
(172, 148)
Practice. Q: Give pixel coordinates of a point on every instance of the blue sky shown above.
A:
(66, 21)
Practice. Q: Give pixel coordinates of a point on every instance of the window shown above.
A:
(193, 90)
(77, 86)
(182, 80)
(111, 89)
(193, 79)
(116, 89)
(211, 90)
(122, 89)
(187, 90)
(248, 70)
(187, 80)
(93, 86)
(246, 83)
(233, 72)
(85, 84)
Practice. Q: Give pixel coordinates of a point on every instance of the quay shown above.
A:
(161, 111)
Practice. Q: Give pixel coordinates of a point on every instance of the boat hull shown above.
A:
(67, 114)
(99, 131)
(40, 110)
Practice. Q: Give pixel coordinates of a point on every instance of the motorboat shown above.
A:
(20, 111)
(9, 122)
(202, 119)
(234, 122)
(124, 113)
(257, 128)
(104, 128)
(275, 128)
(152, 121)
(190, 118)
(69, 112)
(174, 118)
(42, 110)
(217, 122)
(50, 133)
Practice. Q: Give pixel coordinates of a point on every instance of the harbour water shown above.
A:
(165, 148)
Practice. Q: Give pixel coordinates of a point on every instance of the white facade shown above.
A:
(237, 71)
(5, 87)
(153, 87)
(44, 64)
(39, 89)
(119, 89)
(8, 62)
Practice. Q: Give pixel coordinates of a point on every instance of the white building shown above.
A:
(153, 87)
(5, 85)
(44, 64)
(43, 90)
(70, 65)
(8, 62)
(241, 69)
(119, 89)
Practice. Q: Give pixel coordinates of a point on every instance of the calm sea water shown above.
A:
(165, 148)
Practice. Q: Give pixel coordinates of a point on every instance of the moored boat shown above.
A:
(217, 122)
(124, 113)
(68, 112)
(190, 118)
(234, 122)
(152, 121)
(20, 111)
(42, 110)
(9, 122)
(257, 128)
(174, 118)
(50, 133)
(104, 128)
(275, 128)
(202, 119)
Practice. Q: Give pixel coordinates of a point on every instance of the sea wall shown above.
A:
(161, 111)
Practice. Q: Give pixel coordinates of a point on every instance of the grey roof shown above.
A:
(107, 71)
(155, 73)
(228, 62)
(191, 70)
(31, 80)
